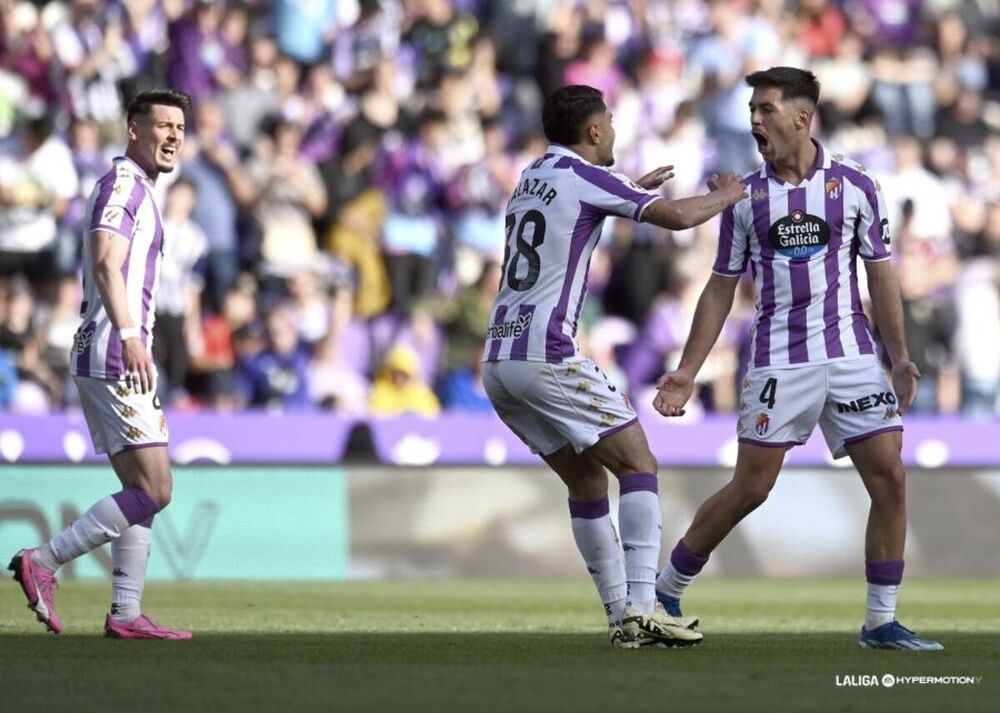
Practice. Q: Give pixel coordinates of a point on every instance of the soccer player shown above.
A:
(114, 373)
(809, 215)
(559, 402)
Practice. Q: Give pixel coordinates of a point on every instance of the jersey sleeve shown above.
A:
(611, 193)
(873, 226)
(734, 245)
(116, 205)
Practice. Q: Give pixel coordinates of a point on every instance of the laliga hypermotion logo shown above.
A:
(762, 423)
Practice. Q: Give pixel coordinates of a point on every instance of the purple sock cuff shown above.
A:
(888, 572)
(685, 561)
(634, 482)
(589, 509)
(136, 506)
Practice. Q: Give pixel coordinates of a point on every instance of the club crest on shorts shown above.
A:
(762, 423)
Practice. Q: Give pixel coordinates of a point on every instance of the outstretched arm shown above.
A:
(688, 212)
(887, 306)
(675, 387)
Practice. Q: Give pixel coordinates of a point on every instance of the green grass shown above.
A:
(509, 645)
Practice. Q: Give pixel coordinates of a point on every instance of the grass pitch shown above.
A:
(771, 645)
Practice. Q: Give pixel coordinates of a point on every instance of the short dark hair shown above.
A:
(794, 83)
(566, 111)
(144, 102)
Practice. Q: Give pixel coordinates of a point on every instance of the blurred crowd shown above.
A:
(334, 231)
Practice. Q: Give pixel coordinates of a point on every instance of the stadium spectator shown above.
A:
(178, 302)
(277, 378)
(413, 176)
(37, 182)
(398, 389)
(222, 187)
(288, 195)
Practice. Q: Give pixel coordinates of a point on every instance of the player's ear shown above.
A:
(594, 134)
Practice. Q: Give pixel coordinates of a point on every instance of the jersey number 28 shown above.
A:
(524, 249)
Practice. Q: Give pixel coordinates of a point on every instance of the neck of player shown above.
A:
(797, 163)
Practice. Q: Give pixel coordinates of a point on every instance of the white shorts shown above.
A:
(119, 417)
(550, 406)
(851, 399)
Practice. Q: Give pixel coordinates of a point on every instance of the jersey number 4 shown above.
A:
(525, 249)
(769, 393)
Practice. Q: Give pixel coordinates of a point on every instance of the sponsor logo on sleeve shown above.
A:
(112, 216)
(883, 229)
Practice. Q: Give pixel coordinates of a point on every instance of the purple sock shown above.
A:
(589, 509)
(884, 573)
(634, 482)
(685, 561)
(136, 506)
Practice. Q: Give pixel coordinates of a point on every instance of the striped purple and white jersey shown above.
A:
(121, 203)
(553, 224)
(802, 243)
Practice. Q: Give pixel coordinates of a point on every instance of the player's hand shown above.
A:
(904, 383)
(673, 390)
(655, 178)
(139, 373)
(730, 185)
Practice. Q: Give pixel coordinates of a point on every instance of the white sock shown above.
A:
(129, 555)
(640, 520)
(881, 607)
(598, 543)
(101, 524)
(672, 582)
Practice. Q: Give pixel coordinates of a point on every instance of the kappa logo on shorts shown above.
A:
(608, 419)
(129, 412)
(595, 403)
(762, 423)
(133, 433)
(584, 386)
(891, 413)
(122, 391)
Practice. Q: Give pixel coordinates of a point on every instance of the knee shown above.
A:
(162, 497)
(890, 491)
(162, 491)
(589, 485)
(753, 495)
